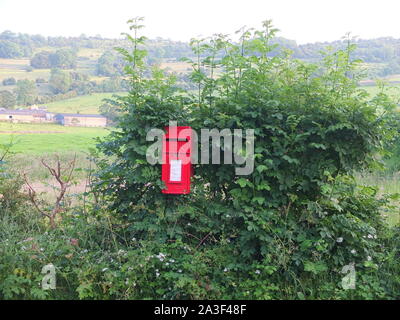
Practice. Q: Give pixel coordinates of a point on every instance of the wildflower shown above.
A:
(339, 240)
(161, 256)
(171, 260)
(104, 269)
(370, 236)
(257, 272)
(74, 242)
(369, 258)
(121, 252)
(353, 251)
(167, 264)
(226, 270)
(180, 271)
(133, 239)
(157, 274)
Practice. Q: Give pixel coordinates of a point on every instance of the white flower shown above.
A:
(370, 236)
(157, 274)
(339, 240)
(167, 264)
(180, 271)
(133, 239)
(161, 256)
(104, 270)
(369, 258)
(226, 270)
(257, 272)
(353, 251)
(171, 260)
(189, 224)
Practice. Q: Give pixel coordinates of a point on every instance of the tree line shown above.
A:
(384, 50)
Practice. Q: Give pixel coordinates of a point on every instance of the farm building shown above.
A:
(66, 119)
(81, 120)
(23, 116)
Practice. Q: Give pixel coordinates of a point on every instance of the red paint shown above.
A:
(177, 166)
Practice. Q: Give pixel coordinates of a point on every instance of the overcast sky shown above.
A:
(301, 20)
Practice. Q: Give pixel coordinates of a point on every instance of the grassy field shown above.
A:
(393, 90)
(37, 139)
(386, 184)
(88, 104)
(16, 68)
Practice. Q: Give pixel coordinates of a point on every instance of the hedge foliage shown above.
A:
(287, 231)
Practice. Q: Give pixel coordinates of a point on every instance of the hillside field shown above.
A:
(88, 104)
(37, 139)
(392, 88)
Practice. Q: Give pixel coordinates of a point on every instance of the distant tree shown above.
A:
(9, 49)
(7, 99)
(60, 82)
(110, 64)
(26, 92)
(9, 82)
(113, 85)
(40, 80)
(110, 110)
(394, 66)
(8, 35)
(64, 59)
(41, 60)
(79, 76)
(84, 87)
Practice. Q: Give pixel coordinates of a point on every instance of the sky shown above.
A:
(303, 20)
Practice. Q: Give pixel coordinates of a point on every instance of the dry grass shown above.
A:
(179, 67)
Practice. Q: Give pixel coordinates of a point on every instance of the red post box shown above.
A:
(176, 156)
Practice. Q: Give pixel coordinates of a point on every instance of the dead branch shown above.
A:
(63, 181)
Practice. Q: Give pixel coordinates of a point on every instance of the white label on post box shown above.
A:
(175, 173)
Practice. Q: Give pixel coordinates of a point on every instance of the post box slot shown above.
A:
(178, 139)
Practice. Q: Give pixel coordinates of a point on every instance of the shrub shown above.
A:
(9, 82)
(299, 218)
